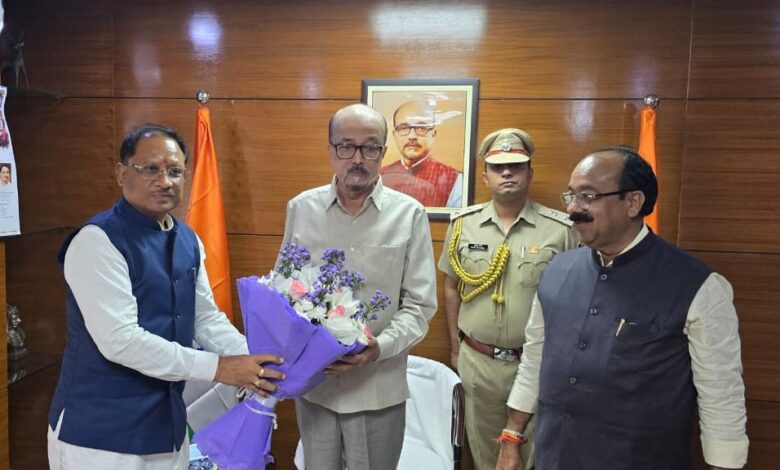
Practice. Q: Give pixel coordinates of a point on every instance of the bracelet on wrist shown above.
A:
(515, 437)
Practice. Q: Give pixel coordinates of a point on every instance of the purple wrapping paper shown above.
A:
(241, 438)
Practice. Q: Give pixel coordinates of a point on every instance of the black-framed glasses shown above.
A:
(419, 131)
(585, 199)
(347, 150)
(151, 171)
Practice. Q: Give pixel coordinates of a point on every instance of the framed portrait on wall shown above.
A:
(432, 125)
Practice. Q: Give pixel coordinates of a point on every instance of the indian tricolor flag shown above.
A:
(206, 215)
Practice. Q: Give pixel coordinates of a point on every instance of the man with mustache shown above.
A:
(417, 173)
(137, 296)
(493, 258)
(626, 337)
(356, 417)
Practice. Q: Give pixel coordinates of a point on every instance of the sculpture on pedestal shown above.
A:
(16, 336)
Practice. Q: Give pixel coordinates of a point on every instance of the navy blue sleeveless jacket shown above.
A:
(616, 389)
(109, 406)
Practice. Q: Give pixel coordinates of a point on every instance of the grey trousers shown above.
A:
(368, 440)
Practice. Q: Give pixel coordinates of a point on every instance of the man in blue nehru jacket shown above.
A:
(137, 296)
(626, 337)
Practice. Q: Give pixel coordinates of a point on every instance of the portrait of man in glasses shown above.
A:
(418, 173)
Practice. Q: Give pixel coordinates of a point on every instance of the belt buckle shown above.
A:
(504, 354)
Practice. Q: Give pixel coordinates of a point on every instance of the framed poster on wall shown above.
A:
(431, 125)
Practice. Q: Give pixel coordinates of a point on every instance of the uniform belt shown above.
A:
(495, 352)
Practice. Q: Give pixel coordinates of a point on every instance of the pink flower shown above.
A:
(297, 289)
(338, 310)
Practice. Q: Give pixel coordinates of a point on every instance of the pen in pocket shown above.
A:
(620, 326)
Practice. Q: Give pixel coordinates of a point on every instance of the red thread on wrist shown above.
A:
(514, 437)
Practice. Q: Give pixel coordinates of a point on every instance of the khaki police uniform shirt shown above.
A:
(538, 234)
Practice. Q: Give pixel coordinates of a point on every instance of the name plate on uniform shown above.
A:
(478, 247)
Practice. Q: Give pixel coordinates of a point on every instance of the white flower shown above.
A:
(308, 275)
(303, 308)
(343, 298)
(281, 284)
(344, 329)
(317, 313)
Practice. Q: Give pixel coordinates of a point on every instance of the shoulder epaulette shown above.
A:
(467, 210)
(555, 215)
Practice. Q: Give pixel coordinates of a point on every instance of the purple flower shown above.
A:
(352, 279)
(328, 275)
(311, 291)
(377, 303)
(334, 256)
(317, 295)
(292, 258)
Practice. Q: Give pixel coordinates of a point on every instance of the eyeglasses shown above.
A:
(347, 150)
(419, 131)
(585, 199)
(151, 172)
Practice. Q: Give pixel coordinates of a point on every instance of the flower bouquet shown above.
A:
(310, 317)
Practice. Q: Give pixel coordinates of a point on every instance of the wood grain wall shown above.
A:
(571, 73)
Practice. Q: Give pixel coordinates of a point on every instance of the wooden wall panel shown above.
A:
(763, 429)
(730, 172)
(66, 159)
(3, 368)
(260, 173)
(36, 286)
(4, 454)
(28, 406)
(250, 255)
(436, 344)
(67, 45)
(321, 50)
(754, 279)
(734, 50)
(3, 329)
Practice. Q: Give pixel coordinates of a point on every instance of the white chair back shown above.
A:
(432, 410)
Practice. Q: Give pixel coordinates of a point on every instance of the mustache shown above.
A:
(358, 169)
(580, 217)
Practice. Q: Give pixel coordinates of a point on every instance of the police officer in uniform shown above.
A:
(494, 256)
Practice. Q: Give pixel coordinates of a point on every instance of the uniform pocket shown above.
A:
(533, 265)
(474, 261)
